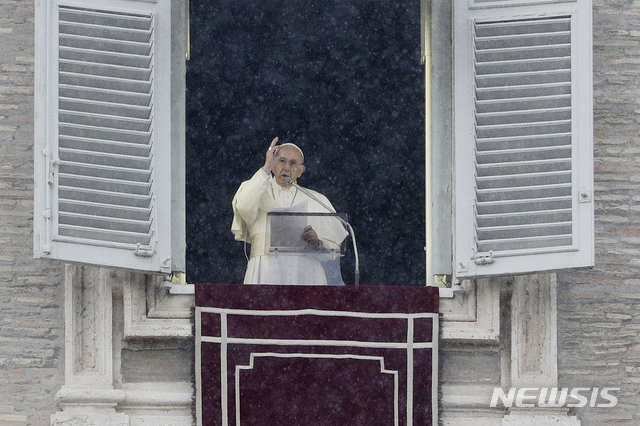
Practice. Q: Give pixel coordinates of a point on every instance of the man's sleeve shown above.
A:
(330, 231)
(246, 202)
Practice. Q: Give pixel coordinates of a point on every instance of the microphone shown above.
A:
(356, 275)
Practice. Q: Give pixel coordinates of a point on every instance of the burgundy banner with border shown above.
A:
(316, 355)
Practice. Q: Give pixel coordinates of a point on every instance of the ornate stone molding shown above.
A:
(534, 347)
(150, 310)
(528, 346)
(88, 396)
(540, 417)
(473, 315)
(158, 404)
(93, 394)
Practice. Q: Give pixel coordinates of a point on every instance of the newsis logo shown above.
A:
(555, 398)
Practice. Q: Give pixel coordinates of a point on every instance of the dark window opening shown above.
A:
(342, 79)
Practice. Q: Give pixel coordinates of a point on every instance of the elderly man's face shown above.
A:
(288, 165)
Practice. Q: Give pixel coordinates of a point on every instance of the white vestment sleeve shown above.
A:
(246, 203)
(330, 230)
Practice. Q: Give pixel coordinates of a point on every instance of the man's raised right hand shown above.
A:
(270, 156)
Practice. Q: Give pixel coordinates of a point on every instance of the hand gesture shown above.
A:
(270, 156)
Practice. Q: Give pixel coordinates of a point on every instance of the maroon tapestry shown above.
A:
(316, 355)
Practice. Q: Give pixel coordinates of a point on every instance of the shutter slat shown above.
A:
(107, 172)
(96, 196)
(522, 206)
(519, 218)
(545, 241)
(510, 232)
(104, 235)
(129, 20)
(524, 116)
(525, 179)
(106, 210)
(531, 141)
(526, 129)
(104, 121)
(520, 65)
(516, 26)
(106, 58)
(524, 167)
(106, 223)
(523, 154)
(105, 45)
(105, 95)
(104, 108)
(523, 91)
(522, 53)
(104, 159)
(95, 145)
(110, 135)
(523, 193)
(105, 70)
(519, 104)
(521, 41)
(523, 78)
(111, 185)
(100, 31)
(101, 82)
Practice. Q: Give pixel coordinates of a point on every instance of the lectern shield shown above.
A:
(293, 260)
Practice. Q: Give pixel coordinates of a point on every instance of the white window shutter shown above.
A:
(523, 136)
(108, 125)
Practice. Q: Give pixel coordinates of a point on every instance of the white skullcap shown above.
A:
(294, 146)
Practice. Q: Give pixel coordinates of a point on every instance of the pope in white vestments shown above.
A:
(264, 193)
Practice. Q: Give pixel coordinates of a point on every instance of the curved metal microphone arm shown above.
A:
(356, 274)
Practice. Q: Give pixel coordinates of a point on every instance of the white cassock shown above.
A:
(253, 200)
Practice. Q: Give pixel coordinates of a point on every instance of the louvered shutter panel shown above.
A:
(105, 177)
(523, 136)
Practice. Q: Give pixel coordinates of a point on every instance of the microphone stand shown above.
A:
(356, 274)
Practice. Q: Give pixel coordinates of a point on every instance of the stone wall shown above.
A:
(31, 292)
(598, 310)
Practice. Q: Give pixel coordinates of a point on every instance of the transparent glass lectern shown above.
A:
(292, 260)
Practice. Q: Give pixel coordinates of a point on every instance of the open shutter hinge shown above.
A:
(46, 248)
(52, 164)
(48, 212)
(145, 251)
(484, 258)
(52, 170)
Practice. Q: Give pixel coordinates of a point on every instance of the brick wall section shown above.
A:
(31, 292)
(599, 310)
